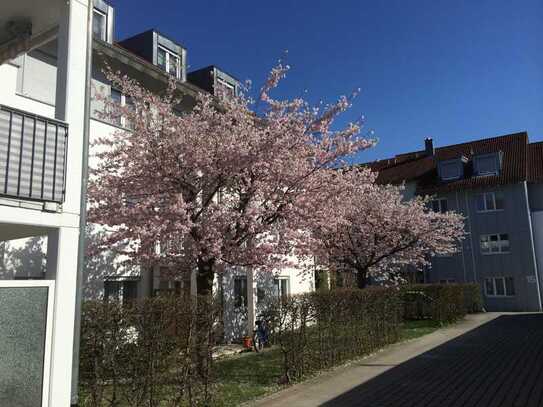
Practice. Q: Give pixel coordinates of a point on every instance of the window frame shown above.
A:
(506, 293)
(242, 301)
(122, 120)
(455, 162)
(484, 196)
(492, 156)
(122, 289)
(103, 37)
(226, 84)
(168, 54)
(489, 239)
(277, 282)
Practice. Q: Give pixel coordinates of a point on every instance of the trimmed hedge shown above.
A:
(152, 352)
(443, 303)
(318, 330)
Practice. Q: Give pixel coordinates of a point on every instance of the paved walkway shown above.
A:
(489, 359)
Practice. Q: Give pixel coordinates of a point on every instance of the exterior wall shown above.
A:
(535, 197)
(235, 319)
(470, 265)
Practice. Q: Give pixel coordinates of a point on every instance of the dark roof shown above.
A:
(535, 158)
(521, 161)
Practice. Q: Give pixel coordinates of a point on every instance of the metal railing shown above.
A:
(32, 156)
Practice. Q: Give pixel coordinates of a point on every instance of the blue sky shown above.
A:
(452, 70)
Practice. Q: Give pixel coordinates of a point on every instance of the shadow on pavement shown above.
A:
(497, 364)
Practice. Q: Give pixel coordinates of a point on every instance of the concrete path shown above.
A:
(491, 359)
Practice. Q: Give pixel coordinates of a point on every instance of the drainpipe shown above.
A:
(82, 214)
(534, 257)
(462, 248)
(475, 279)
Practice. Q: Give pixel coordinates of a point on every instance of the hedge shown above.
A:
(152, 352)
(157, 351)
(318, 330)
(443, 303)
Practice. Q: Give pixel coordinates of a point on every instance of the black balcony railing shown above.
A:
(32, 156)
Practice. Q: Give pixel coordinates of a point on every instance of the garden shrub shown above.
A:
(319, 330)
(153, 352)
(443, 303)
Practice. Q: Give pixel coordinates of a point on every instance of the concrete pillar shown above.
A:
(251, 301)
(61, 266)
(70, 106)
(70, 92)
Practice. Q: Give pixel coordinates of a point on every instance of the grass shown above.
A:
(414, 329)
(250, 375)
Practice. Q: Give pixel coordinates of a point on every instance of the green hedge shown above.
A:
(318, 330)
(443, 303)
(151, 352)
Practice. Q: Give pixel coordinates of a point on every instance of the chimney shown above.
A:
(429, 146)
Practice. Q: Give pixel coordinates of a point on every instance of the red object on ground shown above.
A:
(247, 342)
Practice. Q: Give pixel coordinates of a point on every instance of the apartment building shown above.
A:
(42, 156)
(497, 185)
(152, 58)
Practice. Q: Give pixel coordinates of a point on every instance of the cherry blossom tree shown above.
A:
(232, 182)
(376, 232)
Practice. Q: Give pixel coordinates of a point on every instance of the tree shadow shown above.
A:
(497, 364)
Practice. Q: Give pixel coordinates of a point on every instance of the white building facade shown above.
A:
(30, 83)
(42, 156)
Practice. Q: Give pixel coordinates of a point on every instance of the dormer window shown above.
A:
(450, 170)
(103, 16)
(225, 89)
(487, 164)
(99, 24)
(169, 61)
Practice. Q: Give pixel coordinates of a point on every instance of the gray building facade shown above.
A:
(496, 185)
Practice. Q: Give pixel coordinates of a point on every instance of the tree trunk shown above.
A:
(204, 288)
(362, 278)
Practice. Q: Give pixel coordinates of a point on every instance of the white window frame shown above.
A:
(486, 173)
(47, 352)
(168, 55)
(227, 85)
(495, 294)
(104, 27)
(279, 279)
(124, 121)
(498, 241)
(484, 196)
(244, 300)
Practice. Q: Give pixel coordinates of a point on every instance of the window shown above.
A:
(120, 290)
(486, 164)
(495, 243)
(281, 287)
(169, 61)
(450, 170)
(490, 201)
(240, 291)
(225, 89)
(439, 205)
(500, 287)
(448, 281)
(122, 100)
(99, 25)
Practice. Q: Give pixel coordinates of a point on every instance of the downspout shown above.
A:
(471, 238)
(532, 241)
(82, 214)
(462, 248)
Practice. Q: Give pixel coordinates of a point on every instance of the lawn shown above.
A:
(251, 375)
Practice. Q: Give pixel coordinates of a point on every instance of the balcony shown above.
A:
(32, 156)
